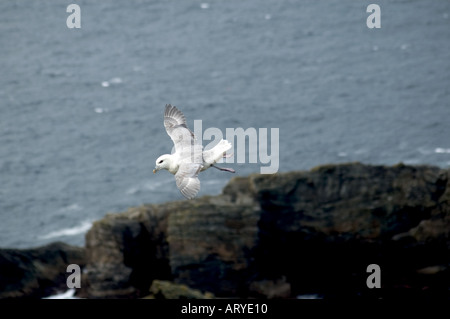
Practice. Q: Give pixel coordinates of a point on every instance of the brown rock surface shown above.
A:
(266, 236)
(299, 232)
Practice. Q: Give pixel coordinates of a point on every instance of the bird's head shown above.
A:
(163, 162)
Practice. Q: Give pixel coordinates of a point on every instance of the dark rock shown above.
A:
(126, 251)
(320, 229)
(161, 289)
(282, 235)
(37, 272)
(211, 244)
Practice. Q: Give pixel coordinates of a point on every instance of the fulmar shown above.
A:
(189, 158)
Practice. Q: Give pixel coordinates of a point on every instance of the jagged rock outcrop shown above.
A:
(265, 236)
(126, 251)
(281, 235)
(37, 272)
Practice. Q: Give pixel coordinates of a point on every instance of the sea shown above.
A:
(81, 109)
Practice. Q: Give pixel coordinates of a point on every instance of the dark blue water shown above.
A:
(81, 109)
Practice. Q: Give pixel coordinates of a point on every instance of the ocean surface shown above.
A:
(81, 110)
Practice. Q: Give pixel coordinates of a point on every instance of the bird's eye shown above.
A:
(160, 161)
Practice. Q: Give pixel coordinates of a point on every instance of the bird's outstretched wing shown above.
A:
(187, 180)
(176, 128)
(190, 152)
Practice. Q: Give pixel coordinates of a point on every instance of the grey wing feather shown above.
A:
(173, 117)
(176, 128)
(187, 179)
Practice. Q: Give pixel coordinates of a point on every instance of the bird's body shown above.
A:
(189, 158)
(210, 157)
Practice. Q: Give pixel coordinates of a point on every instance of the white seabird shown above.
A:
(189, 158)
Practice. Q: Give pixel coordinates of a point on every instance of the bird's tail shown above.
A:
(217, 152)
(222, 147)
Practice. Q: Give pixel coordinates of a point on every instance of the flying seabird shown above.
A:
(189, 158)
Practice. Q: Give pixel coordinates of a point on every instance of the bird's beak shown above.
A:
(154, 170)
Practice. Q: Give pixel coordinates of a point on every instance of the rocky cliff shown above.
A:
(37, 272)
(284, 235)
(281, 236)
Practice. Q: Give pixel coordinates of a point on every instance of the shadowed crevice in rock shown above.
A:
(126, 252)
(140, 254)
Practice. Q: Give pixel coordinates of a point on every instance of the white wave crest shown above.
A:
(69, 294)
(71, 231)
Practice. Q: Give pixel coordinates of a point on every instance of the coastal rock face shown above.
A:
(266, 236)
(321, 229)
(126, 252)
(37, 272)
(211, 244)
(283, 235)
